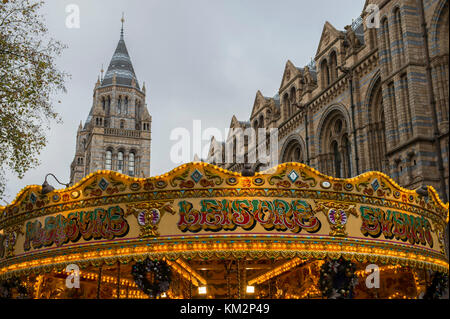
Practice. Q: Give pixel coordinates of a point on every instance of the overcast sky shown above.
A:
(200, 60)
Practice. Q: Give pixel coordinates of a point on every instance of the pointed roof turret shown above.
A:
(120, 65)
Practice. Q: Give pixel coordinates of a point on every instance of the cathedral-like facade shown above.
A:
(117, 133)
(373, 98)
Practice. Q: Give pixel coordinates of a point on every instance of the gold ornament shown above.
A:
(337, 215)
(149, 215)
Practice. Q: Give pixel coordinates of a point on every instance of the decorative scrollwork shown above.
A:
(182, 177)
(211, 176)
(279, 176)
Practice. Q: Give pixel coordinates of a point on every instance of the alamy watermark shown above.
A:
(73, 279)
(373, 18)
(73, 16)
(373, 279)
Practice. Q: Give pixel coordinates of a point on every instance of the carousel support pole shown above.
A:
(99, 281)
(118, 279)
(271, 280)
(228, 273)
(239, 279)
(126, 291)
(244, 279)
(180, 284)
(190, 286)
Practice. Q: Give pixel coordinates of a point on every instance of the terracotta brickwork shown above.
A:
(390, 126)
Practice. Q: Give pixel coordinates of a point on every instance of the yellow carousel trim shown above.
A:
(173, 173)
(315, 248)
(150, 244)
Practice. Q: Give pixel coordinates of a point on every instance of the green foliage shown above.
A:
(439, 284)
(338, 279)
(29, 78)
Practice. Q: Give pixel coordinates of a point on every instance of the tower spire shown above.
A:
(121, 31)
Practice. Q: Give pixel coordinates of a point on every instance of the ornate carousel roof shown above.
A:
(202, 212)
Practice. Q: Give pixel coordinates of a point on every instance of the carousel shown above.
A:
(200, 231)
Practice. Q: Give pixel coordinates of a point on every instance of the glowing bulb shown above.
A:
(250, 289)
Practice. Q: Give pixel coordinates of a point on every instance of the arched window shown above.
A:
(108, 105)
(287, 105)
(377, 132)
(293, 152)
(398, 23)
(333, 66)
(108, 160)
(337, 159)
(325, 74)
(126, 105)
(138, 109)
(103, 103)
(122, 124)
(131, 164)
(120, 162)
(347, 156)
(334, 158)
(119, 105)
(387, 42)
(293, 101)
(269, 115)
(261, 121)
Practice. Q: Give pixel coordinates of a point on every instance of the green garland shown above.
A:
(338, 279)
(162, 277)
(437, 287)
(7, 286)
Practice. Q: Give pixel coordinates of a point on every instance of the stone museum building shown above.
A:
(372, 99)
(117, 133)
